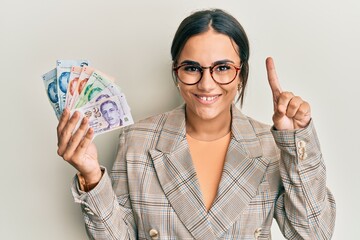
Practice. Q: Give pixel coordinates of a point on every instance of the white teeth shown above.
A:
(207, 98)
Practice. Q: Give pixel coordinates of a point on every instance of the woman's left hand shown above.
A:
(290, 111)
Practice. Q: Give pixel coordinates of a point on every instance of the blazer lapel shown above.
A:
(177, 176)
(243, 171)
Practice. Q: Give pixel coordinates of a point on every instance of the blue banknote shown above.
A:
(50, 82)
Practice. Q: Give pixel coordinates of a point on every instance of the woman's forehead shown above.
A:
(209, 47)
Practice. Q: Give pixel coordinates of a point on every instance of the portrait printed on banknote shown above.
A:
(111, 113)
(52, 92)
(64, 81)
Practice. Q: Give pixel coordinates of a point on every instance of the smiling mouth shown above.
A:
(207, 99)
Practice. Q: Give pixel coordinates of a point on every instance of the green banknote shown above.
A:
(96, 84)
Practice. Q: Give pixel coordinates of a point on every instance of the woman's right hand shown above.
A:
(76, 147)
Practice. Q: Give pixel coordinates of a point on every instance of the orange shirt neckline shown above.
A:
(208, 158)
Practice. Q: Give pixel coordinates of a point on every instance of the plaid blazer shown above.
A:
(153, 192)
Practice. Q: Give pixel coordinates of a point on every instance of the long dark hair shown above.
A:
(221, 22)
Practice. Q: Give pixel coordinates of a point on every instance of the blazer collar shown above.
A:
(243, 170)
(174, 131)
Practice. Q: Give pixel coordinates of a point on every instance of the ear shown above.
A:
(239, 84)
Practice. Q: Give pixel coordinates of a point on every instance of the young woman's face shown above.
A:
(207, 99)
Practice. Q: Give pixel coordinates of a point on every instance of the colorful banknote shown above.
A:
(78, 87)
(50, 82)
(73, 83)
(107, 114)
(63, 68)
(110, 90)
(96, 84)
(84, 77)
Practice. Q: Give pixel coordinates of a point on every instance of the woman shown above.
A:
(204, 170)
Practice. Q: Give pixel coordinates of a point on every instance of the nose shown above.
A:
(206, 83)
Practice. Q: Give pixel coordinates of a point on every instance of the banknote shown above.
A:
(107, 114)
(111, 90)
(73, 83)
(91, 92)
(50, 82)
(63, 68)
(96, 84)
(83, 78)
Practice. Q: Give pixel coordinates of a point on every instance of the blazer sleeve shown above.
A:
(305, 208)
(108, 215)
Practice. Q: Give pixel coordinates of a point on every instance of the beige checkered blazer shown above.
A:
(153, 192)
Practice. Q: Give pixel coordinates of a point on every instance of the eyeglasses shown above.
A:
(191, 74)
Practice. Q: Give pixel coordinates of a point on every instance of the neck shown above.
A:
(208, 129)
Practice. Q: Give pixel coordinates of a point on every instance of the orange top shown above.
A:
(208, 158)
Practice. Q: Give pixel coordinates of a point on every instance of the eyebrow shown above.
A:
(190, 62)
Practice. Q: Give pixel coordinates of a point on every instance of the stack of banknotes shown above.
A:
(75, 85)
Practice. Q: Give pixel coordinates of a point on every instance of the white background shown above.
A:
(315, 44)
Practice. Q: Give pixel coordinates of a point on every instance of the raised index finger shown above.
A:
(272, 77)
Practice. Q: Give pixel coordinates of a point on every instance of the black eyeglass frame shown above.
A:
(237, 68)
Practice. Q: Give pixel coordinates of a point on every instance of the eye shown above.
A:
(191, 68)
(222, 68)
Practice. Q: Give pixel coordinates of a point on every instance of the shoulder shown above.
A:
(154, 123)
(149, 129)
(248, 124)
(263, 132)
(260, 128)
(256, 131)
